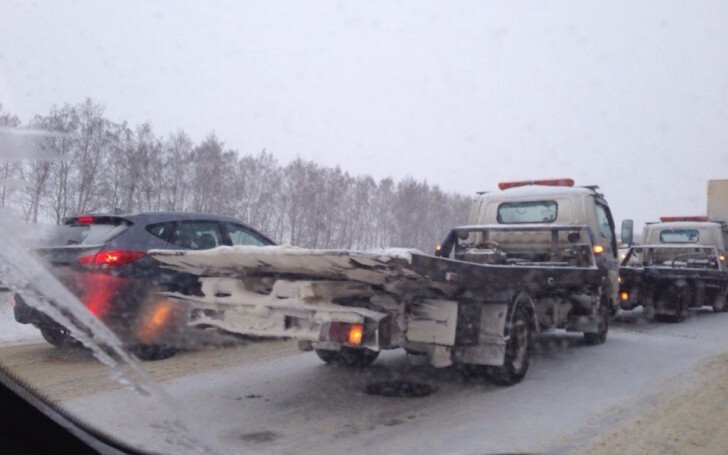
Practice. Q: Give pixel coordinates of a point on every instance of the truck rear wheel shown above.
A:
(152, 352)
(677, 297)
(719, 303)
(600, 336)
(352, 357)
(59, 338)
(516, 362)
(328, 355)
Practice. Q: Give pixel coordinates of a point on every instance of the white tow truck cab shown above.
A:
(553, 202)
(703, 230)
(685, 231)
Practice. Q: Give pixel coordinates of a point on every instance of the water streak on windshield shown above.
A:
(23, 273)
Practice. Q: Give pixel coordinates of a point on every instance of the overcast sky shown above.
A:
(632, 96)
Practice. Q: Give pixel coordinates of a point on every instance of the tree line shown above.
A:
(92, 164)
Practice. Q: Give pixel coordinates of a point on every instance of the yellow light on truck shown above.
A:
(624, 295)
(438, 247)
(355, 334)
(598, 249)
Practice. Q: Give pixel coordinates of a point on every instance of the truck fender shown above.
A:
(521, 298)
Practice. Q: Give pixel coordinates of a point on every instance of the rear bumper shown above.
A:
(25, 314)
(129, 307)
(114, 300)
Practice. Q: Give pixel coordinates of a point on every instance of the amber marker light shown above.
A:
(156, 320)
(598, 249)
(160, 314)
(355, 334)
(624, 295)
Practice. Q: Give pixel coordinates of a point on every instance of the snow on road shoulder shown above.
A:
(12, 332)
(689, 417)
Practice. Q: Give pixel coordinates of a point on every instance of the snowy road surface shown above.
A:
(290, 402)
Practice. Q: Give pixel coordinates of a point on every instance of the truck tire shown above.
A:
(599, 337)
(328, 355)
(679, 298)
(358, 357)
(719, 303)
(516, 362)
(59, 338)
(152, 352)
(682, 303)
(351, 357)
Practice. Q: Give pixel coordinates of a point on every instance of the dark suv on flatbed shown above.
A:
(102, 259)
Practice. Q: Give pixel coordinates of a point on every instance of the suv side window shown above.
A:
(240, 235)
(161, 230)
(605, 226)
(197, 235)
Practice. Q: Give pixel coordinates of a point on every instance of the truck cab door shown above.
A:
(608, 258)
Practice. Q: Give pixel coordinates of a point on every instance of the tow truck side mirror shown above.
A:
(627, 232)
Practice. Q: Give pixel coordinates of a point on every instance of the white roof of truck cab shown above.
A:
(684, 225)
(710, 233)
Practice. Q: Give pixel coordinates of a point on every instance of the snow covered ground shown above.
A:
(296, 404)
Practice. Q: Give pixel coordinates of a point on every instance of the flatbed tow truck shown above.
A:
(682, 264)
(536, 256)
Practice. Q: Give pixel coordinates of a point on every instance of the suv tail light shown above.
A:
(108, 259)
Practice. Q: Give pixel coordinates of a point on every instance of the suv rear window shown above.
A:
(679, 236)
(527, 212)
(239, 235)
(74, 233)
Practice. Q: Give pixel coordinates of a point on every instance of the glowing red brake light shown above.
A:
(666, 219)
(106, 259)
(547, 182)
(85, 219)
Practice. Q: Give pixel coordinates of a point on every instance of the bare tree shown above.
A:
(10, 170)
(148, 153)
(97, 164)
(54, 173)
(177, 159)
(93, 146)
(207, 174)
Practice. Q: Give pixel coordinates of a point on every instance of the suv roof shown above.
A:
(160, 216)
